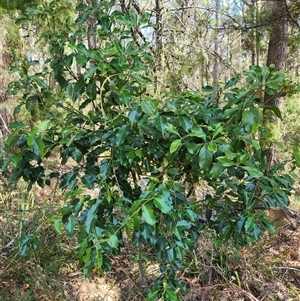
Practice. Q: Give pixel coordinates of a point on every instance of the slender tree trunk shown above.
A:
(92, 26)
(257, 35)
(4, 80)
(216, 71)
(158, 43)
(277, 55)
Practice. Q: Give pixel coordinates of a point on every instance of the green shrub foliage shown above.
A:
(147, 158)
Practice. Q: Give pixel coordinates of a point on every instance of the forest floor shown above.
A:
(49, 271)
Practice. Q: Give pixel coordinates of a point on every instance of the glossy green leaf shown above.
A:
(163, 203)
(269, 227)
(15, 159)
(81, 60)
(253, 172)
(121, 135)
(218, 130)
(197, 132)
(148, 214)
(125, 96)
(240, 224)
(152, 296)
(113, 241)
(183, 225)
(23, 20)
(76, 155)
(296, 154)
(39, 81)
(227, 232)
(175, 145)
(90, 217)
(118, 46)
(193, 148)
(31, 136)
(250, 117)
(66, 210)
(276, 111)
(148, 107)
(179, 253)
(249, 224)
(58, 225)
(243, 158)
(205, 158)
(170, 255)
(35, 148)
(225, 161)
(256, 232)
(70, 90)
(136, 219)
(43, 126)
(171, 295)
(81, 247)
(171, 128)
(212, 147)
(70, 226)
(230, 112)
(185, 122)
(87, 256)
(216, 170)
(231, 83)
(79, 84)
(90, 72)
(160, 123)
(89, 179)
(133, 18)
(134, 115)
(17, 125)
(41, 146)
(208, 89)
(255, 144)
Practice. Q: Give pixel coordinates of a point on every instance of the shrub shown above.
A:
(145, 156)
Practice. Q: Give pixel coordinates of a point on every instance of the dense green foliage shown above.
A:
(145, 157)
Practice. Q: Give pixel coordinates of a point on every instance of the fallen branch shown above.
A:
(290, 268)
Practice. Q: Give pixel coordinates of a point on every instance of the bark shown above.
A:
(4, 80)
(92, 26)
(257, 35)
(216, 71)
(158, 43)
(277, 55)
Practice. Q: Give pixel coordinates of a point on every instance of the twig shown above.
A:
(250, 296)
(9, 244)
(290, 268)
(4, 124)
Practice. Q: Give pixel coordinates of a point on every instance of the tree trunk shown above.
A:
(158, 43)
(277, 55)
(216, 71)
(92, 26)
(4, 80)
(257, 35)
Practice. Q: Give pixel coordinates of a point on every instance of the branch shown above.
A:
(290, 268)
(4, 124)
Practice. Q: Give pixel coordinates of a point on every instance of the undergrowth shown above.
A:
(268, 271)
